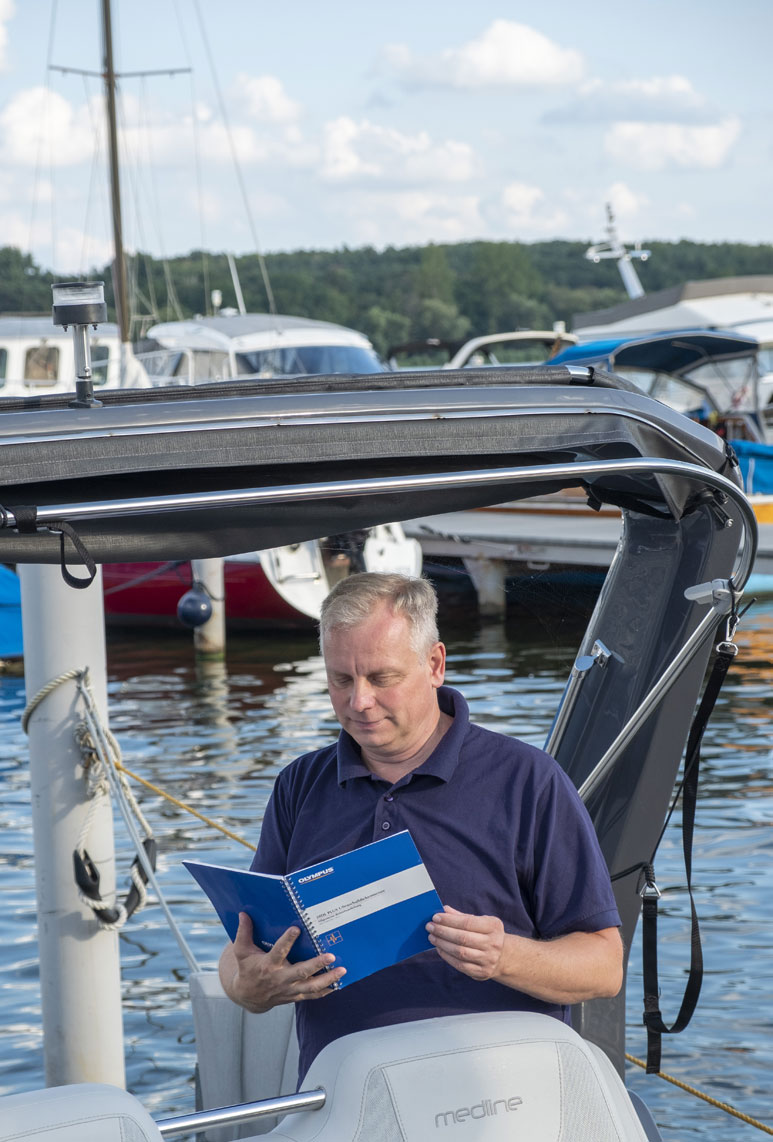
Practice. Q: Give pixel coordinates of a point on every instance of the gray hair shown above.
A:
(354, 599)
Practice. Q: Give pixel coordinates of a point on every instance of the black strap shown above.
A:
(26, 518)
(65, 529)
(653, 1020)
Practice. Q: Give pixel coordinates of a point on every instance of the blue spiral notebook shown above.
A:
(369, 907)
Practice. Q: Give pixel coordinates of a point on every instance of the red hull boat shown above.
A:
(283, 586)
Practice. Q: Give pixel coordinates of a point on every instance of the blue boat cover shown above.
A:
(756, 462)
(10, 614)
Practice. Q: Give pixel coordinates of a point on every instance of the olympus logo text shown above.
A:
(315, 875)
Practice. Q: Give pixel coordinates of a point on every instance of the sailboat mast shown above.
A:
(120, 286)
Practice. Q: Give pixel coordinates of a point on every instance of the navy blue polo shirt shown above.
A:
(502, 832)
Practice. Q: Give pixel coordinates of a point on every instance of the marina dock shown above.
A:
(505, 541)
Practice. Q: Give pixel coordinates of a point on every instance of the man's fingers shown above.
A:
(283, 945)
(244, 941)
(450, 920)
(318, 984)
(269, 974)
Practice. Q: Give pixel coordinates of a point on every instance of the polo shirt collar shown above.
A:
(441, 762)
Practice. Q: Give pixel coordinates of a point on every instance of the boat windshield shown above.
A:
(677, 394)
(731, 384)
(304, 359)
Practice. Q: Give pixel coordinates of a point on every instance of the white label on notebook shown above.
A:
(369, 898)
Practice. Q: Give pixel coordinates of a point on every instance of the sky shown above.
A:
(308, 125)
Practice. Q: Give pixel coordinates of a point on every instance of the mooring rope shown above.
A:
(101, 761)
(728, 1109)
(43, 693)
(110, 756)
(187, 808)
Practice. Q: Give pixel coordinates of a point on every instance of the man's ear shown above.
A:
(437, 663)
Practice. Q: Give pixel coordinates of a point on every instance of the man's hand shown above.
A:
(568, 969)
(471, 944)
(258, 980)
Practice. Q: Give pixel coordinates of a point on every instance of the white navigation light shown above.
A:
(79, 303)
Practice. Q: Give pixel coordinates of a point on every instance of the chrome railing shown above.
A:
(244, 1112)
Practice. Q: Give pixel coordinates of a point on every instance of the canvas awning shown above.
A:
(233, 441)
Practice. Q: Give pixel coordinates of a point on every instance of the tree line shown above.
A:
(397, 295)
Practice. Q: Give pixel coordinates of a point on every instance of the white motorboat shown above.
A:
(233, 344)
(37, 359)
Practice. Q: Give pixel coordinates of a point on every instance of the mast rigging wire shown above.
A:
(41, 137)
(239, 176)
(207, 307)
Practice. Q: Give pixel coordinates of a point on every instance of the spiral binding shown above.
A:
(298, 905)
(303, 916)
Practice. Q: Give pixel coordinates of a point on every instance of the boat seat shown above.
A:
(498, 1076)
(510, 1071)
(83, 1112)
(241, 1057)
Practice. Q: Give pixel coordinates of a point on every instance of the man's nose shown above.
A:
(362, 694)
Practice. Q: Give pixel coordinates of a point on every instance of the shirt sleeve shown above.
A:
(572, 889)
(275, 833)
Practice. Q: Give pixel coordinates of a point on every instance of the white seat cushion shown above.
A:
(488, 1078)
(82, 1112)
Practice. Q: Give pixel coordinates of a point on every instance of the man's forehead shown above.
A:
(382, 635)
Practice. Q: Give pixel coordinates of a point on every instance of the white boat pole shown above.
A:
(209, 636)
(80, 983)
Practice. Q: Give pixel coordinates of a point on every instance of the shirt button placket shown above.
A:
(386, 824)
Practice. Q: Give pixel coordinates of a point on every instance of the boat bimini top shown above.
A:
(176, 474)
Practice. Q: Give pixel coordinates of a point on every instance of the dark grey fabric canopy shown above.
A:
(305, 438)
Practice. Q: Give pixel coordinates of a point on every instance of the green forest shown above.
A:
(396, 295)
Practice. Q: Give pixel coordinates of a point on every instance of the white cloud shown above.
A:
(506, 54)
(265, 99)
(73, 250)
(7, 11)
(526, 211)
(626, 203)
(41, 124)
(365, 150)
(76, 250)
(663, 86)
(669, 98)
(413, 216)
(656, 146)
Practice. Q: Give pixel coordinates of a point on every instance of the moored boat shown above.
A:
(37, 359)
(279, 587)
(231, 345)
(712, 376)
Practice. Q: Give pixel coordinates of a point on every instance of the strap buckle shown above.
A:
(649, 889)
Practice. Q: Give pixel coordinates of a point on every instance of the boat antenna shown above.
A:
(614, 248)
